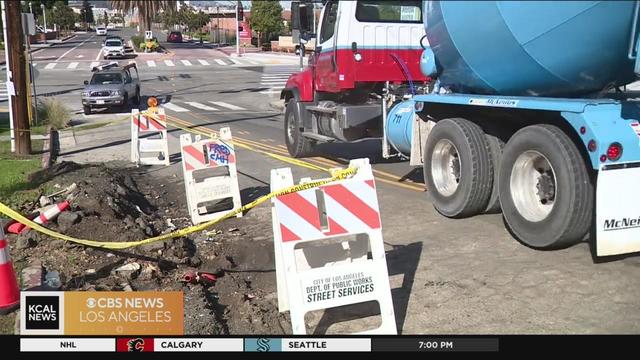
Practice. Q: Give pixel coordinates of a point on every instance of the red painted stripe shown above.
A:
(156, 125)
(191, 150)
(188, 166)
(354, 205)
(288, 235)
(139, 124)
(335, 228)
(302, 207)
(370, 183)
(232, 159)
(3, 244)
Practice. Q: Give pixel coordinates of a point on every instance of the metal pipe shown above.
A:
(6, 59)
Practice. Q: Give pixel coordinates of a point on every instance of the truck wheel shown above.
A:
(495, 150)
(546, 193)
(457, 169)
(297, 145)
(87, 110)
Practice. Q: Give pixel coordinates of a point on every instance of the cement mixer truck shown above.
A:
(518, 107)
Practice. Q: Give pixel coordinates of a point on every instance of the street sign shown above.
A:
(28, 24)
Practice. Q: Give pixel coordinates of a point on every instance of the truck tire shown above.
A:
(298, 145)
(457, 168)
(546, 193)
(496, 145)
(137, 100)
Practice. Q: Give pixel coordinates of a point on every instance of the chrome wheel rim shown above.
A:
(533, 186)
(291, 128)
(445, 167)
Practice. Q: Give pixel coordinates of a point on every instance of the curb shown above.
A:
(278, 105)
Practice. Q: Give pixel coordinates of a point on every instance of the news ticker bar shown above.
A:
(266, 344)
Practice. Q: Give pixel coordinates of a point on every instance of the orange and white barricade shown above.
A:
(322, 238)
(149, 142)
(210, 175)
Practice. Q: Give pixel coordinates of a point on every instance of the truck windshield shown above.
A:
(105, 79)
(389, 11)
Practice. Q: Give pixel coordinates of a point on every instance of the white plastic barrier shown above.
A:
(315, 273)
(209, 155)
(149, 142)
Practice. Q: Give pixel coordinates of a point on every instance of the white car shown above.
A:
(101, 30)
(113, 47)
(111, 27)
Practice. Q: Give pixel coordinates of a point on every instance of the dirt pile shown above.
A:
(118, 202)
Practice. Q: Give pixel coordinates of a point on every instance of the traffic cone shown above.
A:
(45, 216)
(9, 291)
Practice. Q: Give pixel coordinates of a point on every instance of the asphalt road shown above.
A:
(449, 276)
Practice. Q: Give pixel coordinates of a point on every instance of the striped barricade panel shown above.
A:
(319, 265)
(149, 139)
(210, 176)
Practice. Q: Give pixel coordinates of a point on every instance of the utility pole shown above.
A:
(19, 79)
(237, 30)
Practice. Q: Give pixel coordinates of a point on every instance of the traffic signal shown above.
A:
(240, 11)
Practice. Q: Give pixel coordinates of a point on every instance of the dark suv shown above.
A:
(111, 86)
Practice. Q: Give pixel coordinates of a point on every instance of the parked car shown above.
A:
(101, 31)
(174, 37)
(111, 86)
(113, 47)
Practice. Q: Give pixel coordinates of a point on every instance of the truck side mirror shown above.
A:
(86, 82)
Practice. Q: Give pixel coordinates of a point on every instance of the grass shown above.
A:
(15, 187)
(4, 126)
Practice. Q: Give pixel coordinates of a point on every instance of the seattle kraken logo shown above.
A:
(263, 345)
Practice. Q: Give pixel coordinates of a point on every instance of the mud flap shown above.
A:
(618, 209)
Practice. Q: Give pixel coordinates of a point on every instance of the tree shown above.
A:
(62, 15)
(105, 19)
(266, 18)
(146, 9)
(86, 14)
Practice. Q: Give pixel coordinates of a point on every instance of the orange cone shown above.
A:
(45, 216)
(9, 291)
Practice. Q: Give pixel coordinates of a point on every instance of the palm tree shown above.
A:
(146, 9)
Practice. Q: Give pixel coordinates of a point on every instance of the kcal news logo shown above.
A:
(41, 313)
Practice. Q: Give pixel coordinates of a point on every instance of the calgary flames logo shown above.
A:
(135, 345)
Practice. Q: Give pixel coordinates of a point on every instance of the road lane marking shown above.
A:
(80, 56)
(50, 66)
(174, 107)
(270, 92)
(73, 48)
(203, 62)
(169, 63)
(252, 62)
(200, 106)
(98, 56)
(94, 64)
(186, 62)
(151, 63)
(235, 61)
(226, 105)
(220, 62)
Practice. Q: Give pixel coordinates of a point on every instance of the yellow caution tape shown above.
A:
(115, 245)
(172, 121)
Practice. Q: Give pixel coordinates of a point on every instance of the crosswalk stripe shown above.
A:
(220, 62)
(235, 61)
(228, 106)
(72, 65)
(50, 66)
(151, 63)
(203, 62)
(276, 87)
(273, 82)
(94, 64)
(186, 62)
(200, 106)
(252, 62)
(174, 107)
(271, 91)
(169, 63)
